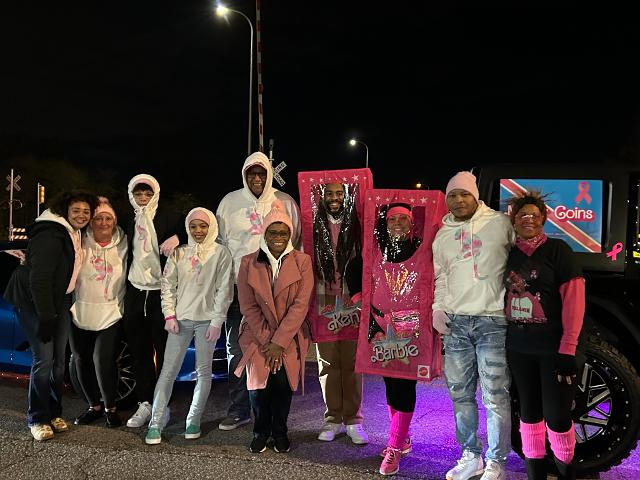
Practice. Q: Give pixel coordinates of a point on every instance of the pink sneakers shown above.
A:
(391, 462)
(406, 448)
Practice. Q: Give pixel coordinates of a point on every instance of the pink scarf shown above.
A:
(530, 245)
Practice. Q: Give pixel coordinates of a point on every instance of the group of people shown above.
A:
(508, 302)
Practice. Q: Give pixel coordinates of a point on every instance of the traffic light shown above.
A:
(40, 194)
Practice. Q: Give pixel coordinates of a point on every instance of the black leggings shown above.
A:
(271, 406)
(401, 393)
(146, 337)
(540, 394)
(95, 356)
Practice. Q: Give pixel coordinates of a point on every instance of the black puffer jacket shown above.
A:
(41, 283)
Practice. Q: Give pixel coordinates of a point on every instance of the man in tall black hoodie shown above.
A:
(152, 234)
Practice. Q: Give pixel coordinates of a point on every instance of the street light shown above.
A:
(353, 143)
(223, 11)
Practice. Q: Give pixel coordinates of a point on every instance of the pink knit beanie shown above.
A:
(277, 214)
(198, 214)
(105, 207)
(464, 181)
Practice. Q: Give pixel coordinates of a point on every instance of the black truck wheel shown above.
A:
(607, 410)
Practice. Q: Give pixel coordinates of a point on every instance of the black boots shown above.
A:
(536, 468)
(566, 471)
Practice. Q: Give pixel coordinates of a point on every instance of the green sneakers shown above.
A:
(192, 432)
(153, 436)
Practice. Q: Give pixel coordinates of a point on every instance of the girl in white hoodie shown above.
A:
(196, 289)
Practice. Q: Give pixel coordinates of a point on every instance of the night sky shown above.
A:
(432, 90)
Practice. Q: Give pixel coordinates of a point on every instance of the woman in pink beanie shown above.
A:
(96, 313)
(274, 288)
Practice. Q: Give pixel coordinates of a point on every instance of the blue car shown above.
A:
(15, 353)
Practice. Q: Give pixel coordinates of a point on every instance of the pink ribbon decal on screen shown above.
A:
(583, 192)
(613, 254)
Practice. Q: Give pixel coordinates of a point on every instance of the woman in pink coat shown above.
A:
(274, 288)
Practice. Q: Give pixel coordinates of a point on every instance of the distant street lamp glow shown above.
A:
(223, 11)
(354, 141)
(418, 185)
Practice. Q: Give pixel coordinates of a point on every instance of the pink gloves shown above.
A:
(213, 334)
(171, 325)
(168, 246)
(441, 322)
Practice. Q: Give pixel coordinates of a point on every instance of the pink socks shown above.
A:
(399, 429)
(533, 439)
(563, 444)
(392, 412)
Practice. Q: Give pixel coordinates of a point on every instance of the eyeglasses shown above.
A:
(281, 234)
(256, 174)
(533, 216)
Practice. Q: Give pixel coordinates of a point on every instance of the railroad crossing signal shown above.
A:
(276, 173)
(19, 233)
(13, 181)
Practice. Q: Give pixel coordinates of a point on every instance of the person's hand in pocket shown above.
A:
(441, 322)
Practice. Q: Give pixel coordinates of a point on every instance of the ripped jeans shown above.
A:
(474, 350)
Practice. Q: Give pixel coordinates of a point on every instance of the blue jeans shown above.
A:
(47, 367)
(174, 353)
(474, 350)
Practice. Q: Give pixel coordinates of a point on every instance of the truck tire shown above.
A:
(607, 410)
(126, 380)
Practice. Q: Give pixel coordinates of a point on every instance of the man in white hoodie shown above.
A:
(240, 216)
(469, 257)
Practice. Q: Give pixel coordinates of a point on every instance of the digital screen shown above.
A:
(574, 208)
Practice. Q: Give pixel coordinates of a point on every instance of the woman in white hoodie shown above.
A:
(196, 289)
(41, 291)
(96, 314)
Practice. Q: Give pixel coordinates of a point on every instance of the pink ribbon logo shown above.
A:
(583, 193)
(613, 254)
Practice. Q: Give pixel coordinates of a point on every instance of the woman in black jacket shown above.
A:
(41, 292)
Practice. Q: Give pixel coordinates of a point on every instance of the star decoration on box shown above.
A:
(391, 341)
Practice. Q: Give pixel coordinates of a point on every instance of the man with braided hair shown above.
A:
(336, 239)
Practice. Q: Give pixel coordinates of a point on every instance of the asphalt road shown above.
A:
(95, 452)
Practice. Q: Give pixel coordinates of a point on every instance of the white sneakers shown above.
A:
(329, 431)
(470, 465)
(357, 434)
(493, 471)
(141, 417)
